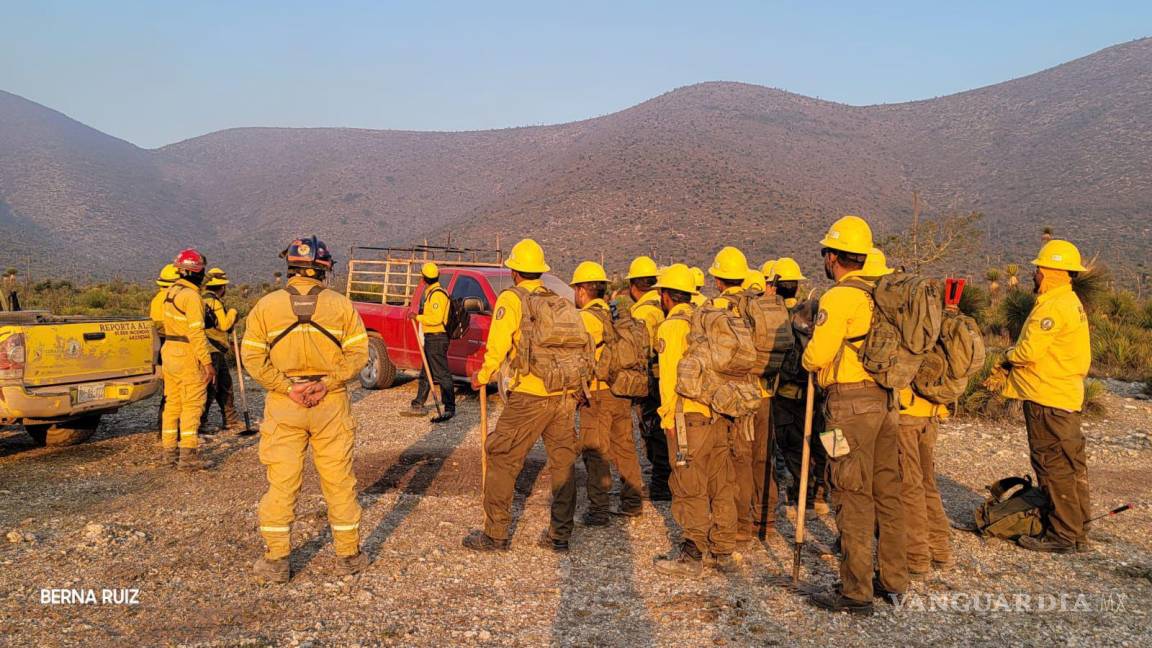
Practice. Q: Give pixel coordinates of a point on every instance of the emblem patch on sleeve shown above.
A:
(1046, 324)
(660, 345)
(500, 313)
(821, 317)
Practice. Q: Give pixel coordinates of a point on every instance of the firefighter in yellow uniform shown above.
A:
(219, 320)
(1046, 369)
(865, 479)
(703, 486)
(303, 344)
(187, 364)
(646, 307)
(531, 412)
(168, 276)
(699, 299)
(606, 422)
(754, 281)
(433, 319)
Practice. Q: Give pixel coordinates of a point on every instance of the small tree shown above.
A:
(993, 277)
(277, 276)
(935, 241)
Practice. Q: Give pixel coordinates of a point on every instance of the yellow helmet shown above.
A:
(786, 269)
(677, 277)
(849, 234)
(168, 276)
(587, 272)
(527, 256)
(730, 264)
(430, 270)
(876, 265)
(1059, 255)
(755, 280)
(698, 277)
(642, 266)
(769, 269)
(215, 277)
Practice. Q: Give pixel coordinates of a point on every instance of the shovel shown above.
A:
(248, 431)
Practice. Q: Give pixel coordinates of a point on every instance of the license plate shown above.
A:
(85, 393)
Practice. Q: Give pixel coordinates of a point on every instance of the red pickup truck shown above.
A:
(386, 290)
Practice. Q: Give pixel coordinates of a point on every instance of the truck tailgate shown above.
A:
(61, 353)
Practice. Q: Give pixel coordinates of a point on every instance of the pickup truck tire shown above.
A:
(379, 373)
(65, 433)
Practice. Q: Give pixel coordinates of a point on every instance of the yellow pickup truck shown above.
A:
(60, 374)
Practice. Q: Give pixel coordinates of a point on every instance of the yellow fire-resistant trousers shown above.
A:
(287, 431)
(184, 396)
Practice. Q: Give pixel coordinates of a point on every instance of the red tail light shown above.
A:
(12, 357)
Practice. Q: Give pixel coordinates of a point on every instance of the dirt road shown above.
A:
(103, 516)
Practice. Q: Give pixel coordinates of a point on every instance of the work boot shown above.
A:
(725, 563)
(446, 416)
(660, 495)
(477, 540)
(883, 593)
(685, 563)
(629, 512)
(169, 456)
(552, 544)
(190, 459)
(272, 571)
(1084, 546)
(834, 601)
(594, 519)
(919, 573)
(414, 410)
(945, 565)
(349, 565)
(1046, 543)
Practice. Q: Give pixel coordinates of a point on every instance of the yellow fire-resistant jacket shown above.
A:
(1053, 354)
(225, 320)
(504, 335)
(648, 310)
(671, 342)
(433, 315)
(184, 319)
(595, 329)
(304, 351)
(727, 300)
(845, 312)
(912, 404)
(156, 309)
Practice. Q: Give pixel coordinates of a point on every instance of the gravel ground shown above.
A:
(104, 516)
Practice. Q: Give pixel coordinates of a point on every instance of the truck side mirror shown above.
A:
(473, 305)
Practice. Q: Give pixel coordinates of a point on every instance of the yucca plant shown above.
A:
(1011, 271)
(1094, 391)
(1015, 308)
(993, 277)
(1093, 286)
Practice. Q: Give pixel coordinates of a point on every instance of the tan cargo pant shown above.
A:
(755, 475)
(606, 439)
(1061, 465)
(524, 419)
(285, 435)
(703, 492)
(926, 524)
(866, 488)
(185, 395)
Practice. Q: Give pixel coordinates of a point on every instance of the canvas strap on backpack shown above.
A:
(304, 307)
(1013, 509)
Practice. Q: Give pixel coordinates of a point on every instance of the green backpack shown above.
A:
(718, 362)
(957, 356)
(908, 311)
(770, 322)
(1013, 509)
(623, 364)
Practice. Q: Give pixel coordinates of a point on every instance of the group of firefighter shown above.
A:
(869, 450)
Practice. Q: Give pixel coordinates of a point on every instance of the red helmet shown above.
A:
(190, 260)
(308, 252)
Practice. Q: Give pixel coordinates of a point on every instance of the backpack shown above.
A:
(553, 342)
(624, 362)
(803, 319)
(304, 307)
(769, 320)
(718, 362)
(906, 319)
(1014, 508)
(458, 320)
(957, 356)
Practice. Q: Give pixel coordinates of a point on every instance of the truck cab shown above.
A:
(387, 290)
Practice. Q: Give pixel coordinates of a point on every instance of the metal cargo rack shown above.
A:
(389, 275)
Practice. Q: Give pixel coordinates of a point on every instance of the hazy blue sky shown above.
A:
(155, 72)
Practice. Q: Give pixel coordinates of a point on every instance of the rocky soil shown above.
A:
(105, 516)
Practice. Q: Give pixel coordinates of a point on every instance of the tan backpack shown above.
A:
(623, 363)
(553, 342)
(718, 362)
(906, 319)
(769, 320)
(958, 355)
